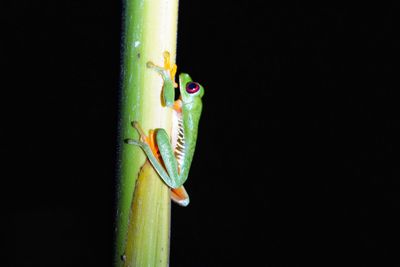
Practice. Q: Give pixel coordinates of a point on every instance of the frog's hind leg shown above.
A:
(151, 150)
(178, 195)
(164, 162)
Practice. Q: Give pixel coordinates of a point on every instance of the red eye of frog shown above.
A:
(192, 87)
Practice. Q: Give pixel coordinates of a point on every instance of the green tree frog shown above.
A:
(171, 158)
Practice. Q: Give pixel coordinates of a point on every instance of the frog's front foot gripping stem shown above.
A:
(168, 71)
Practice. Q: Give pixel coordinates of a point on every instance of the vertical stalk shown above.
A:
(143, 204)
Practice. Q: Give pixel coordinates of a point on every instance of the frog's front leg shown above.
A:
(167, 73)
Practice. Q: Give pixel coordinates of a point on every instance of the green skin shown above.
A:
(172, 175)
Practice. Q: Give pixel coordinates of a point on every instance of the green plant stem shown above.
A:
(143, 211)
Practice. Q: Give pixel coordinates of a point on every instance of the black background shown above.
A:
(297, 160)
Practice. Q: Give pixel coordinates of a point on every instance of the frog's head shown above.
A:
(189, 89)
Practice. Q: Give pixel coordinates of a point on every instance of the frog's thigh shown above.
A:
(167, 154)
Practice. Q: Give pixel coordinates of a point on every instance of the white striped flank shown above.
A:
(178, 138)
